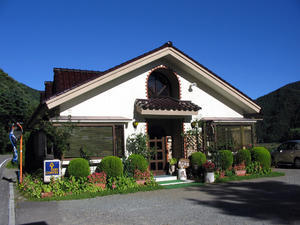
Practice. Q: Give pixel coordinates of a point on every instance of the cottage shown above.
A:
(162, 93)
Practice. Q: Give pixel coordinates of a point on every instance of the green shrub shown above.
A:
(111, 165)
(256, 168)
(198, 158)
(225, 159)
(243, 155)
(136, 162)
(262, 155)
(79, 168)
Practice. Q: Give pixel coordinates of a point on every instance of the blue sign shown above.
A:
(52, 168)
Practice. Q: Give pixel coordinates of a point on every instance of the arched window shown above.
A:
(162, 83)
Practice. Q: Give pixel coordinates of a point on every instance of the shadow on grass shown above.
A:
(274, 201)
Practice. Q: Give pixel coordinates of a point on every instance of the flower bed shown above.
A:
(33, 187)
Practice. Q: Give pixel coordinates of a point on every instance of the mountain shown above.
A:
(281, 114)
(17, 103)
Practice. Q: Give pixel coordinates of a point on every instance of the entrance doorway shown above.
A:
(158, 129)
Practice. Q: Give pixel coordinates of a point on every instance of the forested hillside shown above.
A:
(17, 103)
(281, 114)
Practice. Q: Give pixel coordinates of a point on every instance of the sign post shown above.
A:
(52, 168)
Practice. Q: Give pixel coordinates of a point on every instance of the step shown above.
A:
(160, 178)
(164, 183)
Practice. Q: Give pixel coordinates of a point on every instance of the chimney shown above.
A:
(48, 89)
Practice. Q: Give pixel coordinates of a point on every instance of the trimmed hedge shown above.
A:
(79, 168)
(136, 161)
(225, 159)
(262, 155)
(243, 155)
(198, 158)
(111, 165)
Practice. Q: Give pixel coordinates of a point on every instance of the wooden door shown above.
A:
(158, 158)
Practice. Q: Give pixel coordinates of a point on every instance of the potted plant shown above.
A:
(240, 169)
(172, 163)
(209, 168)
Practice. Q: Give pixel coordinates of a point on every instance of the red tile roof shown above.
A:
(166, 103)
(65, 79)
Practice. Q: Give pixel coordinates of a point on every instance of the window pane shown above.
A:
(229, 137)
(95, 141)
(247, 136)
(120, 140)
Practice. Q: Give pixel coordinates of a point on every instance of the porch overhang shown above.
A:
(230, 120)
(166, 106)
(91, 119)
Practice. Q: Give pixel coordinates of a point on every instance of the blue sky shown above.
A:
(254, 45)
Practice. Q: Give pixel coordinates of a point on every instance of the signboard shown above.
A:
(52, 168)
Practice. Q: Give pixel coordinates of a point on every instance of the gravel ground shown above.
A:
(259, 201)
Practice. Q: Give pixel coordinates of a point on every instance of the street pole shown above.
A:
(21, 153)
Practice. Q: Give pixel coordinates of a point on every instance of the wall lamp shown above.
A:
(192, 85)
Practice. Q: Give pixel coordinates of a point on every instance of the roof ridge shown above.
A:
(75, 70)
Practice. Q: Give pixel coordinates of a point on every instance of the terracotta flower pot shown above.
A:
(46, 194)
(240, 172)
(140, 182)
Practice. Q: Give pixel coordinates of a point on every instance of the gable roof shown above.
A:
(65, 89)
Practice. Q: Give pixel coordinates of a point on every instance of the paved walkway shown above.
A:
(260, 201)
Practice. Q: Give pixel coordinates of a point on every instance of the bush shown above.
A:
(243, 155)
(79, 168)
(198, 158)
(225, 159)
(137, 144)
(136, 162)
(262, 155)
(111, 165)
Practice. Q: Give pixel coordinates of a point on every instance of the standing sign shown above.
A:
(52, 168)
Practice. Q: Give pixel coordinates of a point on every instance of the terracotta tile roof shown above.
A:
(65, 79)
(166, 103)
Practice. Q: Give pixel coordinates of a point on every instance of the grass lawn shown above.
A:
(248, 177)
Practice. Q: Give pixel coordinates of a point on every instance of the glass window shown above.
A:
(233, 137)
(96, 141)
(120, 140)
(158, 85)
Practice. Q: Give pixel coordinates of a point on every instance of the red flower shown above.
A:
(209, 166)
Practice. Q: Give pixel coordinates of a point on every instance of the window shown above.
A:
(96, 141)
(233, 137)
(158, 85)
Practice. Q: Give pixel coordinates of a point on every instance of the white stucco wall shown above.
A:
(211, 107)
(118, 101)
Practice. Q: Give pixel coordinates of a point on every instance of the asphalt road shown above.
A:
(259, 201)
(4, 190)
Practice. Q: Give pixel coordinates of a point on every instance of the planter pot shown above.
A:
(222, 174)
(209, 177)
(172, 169)
(240, 172)
(46, 194)
(141, 182)
(182, 174)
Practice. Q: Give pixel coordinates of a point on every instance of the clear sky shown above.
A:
(254, 45)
